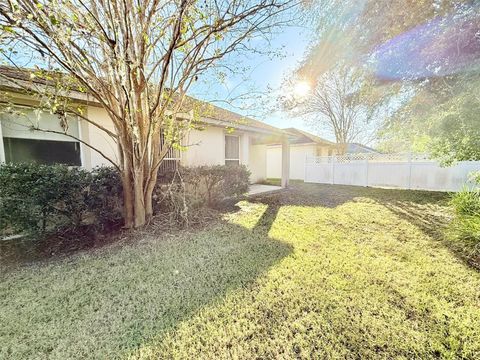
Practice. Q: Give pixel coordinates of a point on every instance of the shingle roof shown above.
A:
(305, 137)
(22, 74)
(209, 110)
(359, 148)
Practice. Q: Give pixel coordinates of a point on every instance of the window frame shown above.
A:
(71, 139)
(169, 162)
(171, 150)
(41, 151)
(225, 159)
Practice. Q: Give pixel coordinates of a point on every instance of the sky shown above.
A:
(264, 74)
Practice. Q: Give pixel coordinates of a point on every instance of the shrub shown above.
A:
(40, 200)
(236, 180)
(466, 202)
(465, 227)
(192, 188)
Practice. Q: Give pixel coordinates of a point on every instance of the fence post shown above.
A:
(305, 168)
(409, 170)
(366, 170)
(333, 168)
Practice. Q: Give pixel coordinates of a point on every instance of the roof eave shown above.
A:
(243, 127)
(24, 87)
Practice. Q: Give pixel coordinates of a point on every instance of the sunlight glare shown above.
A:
(301, 89)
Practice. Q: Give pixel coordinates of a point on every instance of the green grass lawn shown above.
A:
(317, 271)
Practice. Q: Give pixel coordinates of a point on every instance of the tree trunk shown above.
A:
(133, 194)
(138, 194)
(137, 203)
(127, 200)
(139, 206)
(148, 199)
(342, 148)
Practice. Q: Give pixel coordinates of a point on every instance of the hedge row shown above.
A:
(39, 200)
(183, 191)
(42, 200)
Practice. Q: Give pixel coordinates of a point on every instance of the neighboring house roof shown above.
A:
(300, 137)
(356, 148)
(24, 74)
(14, 79)
(304, 137)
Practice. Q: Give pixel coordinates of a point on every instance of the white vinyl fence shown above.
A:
(402, 171)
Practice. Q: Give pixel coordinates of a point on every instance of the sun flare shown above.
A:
(301, 89)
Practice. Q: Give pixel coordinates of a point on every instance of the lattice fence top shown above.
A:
(355, 158)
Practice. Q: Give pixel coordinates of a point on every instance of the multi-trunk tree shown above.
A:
(137, 59)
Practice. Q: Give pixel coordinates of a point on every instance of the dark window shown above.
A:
(46, 152)
(232, 162)
(232, 150)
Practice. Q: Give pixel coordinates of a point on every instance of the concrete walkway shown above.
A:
(256, 189)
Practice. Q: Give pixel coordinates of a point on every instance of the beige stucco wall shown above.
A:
(258, 163)
(98, 138)
(298, 153)
(204, 147)
(207, 147)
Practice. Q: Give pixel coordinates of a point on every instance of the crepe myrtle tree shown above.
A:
(138, 60)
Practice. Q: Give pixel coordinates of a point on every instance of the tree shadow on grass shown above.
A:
(434, 220)
(22, 251)
(109, 303)
(425, 216)
(332, 196)
(426, 210)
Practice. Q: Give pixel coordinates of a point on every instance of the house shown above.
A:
(225, 137)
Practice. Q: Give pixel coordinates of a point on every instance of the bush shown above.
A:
(465, 227)
(466, 202)
(191, 188)
(43, 200)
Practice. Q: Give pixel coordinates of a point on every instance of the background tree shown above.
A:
(337, 104)
(343, 103)
(425, 57)
(442, 120)
(351, 30)
(138, 60)
(440, 59)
